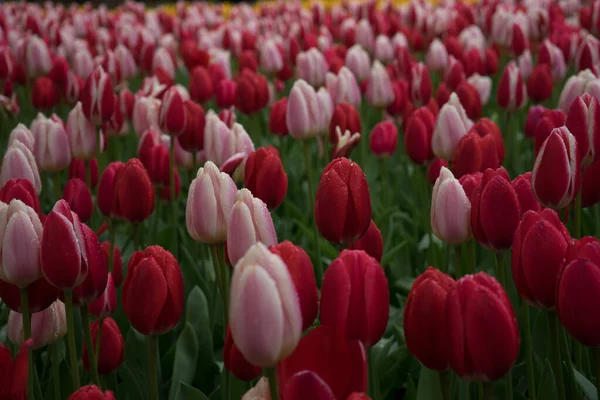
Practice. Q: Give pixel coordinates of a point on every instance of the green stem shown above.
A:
(112, 232)
(71, 340)
(596, 357)
(173, 199)
(384, 182)
(271, 374)
(445, 384)
(153, 366)
(577, 228)
(136, 237)
(56, 184)
(471, 250)
(566, 356)
(529, 351)
(214, 252)
(487, 390)
(556, 358)
(311, 194)
(458, 261)
(374, 388)
(85, 320)
(26, 335)
(55, 369)
(98, 340)
(225, 277)
(501, 275)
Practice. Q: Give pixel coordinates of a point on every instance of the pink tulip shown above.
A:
(271, 60)
(483, 84)
(575, 86)
(553, 56)
(83, 63)
(308, 112)
(19, 163)
(264, 315)
(47, 326)
(380, 92)
(163, 59)
(36, 57)
(311, 67)
(52, 150)
(126, 62)
(437, 56)
(358, 61)
(145, 114)
(364, 35)
(249, 222)
(82, 134)
(20, 236)
(450, 210)
(226, 147)
(343, 88)
(22, 134)
(384, 50)
(452, 124)
(210, 200)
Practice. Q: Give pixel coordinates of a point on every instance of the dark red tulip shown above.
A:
(97, 97)
(44, 94)
(248, 60)
(106, 188)
(346, 118)
(583, 122)
(192, 55)
(371, 242)
(14, 372)
(455, 73)
(79, 197)
(192, 138)
(520, 42)
(383, 139)
(418, 135)
(470, 182)
(442, 94)
(277, 124)
(201, 85)
(419, 84)
(534, 116)
(95, 281)
(20, 189)
(549, 120)
(433, 171)
(473, 63)
(41, 294)
(265, 177)
(480, 149)
(225, 93)
(590, 187)
(79, 169)
(112, 347)
(133, 194)
(92, 392)
(235, 362)
(539, 83)
(400, 97)
(511, 94)
(524, 191)
(469, 99)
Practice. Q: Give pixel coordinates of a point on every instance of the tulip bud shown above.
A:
(342, 183)
(539, 250)
(265, 177)
(249, 222)
(511, 90)
(112, 346)
(106, 188)
(480, 303)
(524, 191)
(52, 151)
(145, 114)
(47, 326)
(437, 56)
(455, 73)
(252, 93)
(451, 125)
(78, 196)
(371, 242)
(519, 41)
(82, 134)
(104, 305)
(450, 210)
(225, 93)
(380, 93)
(44, 94)
(20, 189)
(154, 280)
(418, 135)
(475, 153)
(235, 362)
(304, 111)
(583, 121)
(192, 138)
(352, 276)
(555, 177)
(469, 99)
(552, 56)
(92, 392)
(343, 87)
(425, 319)
(358, 61)
(495, 211)
(171, 117)
(539, 84)
(575, 86)
(133, 194)
(420, 84)
(311, 67)
(383, 139)
(384, 50)
(265, 315)
(97, 97)
(549, 120)
(22, 134)
(37, 58)
(588, 53)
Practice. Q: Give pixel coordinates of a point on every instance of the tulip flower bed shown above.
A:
(293, 201)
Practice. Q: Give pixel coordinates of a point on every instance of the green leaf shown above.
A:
(547, 386)
(404, 285)
(429, 385)
(186, 392)
(411, 390)
(133, 381)
(389, 255)
(588, 388)
(186, 355)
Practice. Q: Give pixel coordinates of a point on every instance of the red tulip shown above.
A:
(252, 92)
(539, 84)
(112, 347)
(371, 242)
(420, 84)
(343, 204)
(192, 138)
(14, 372)
(95, 281)
(201, 85)
(153, 291)
(235, 362)
(495, 211)
(106, 188)
(533, 118)
(400, 88)
(590, 189)
(418, 135)
(384, 139)
(92, 392)
(583, 122)
(524, 191)
(346, 118)
(511, 90)
(277, 122)
(79, 169)
(97, 97)
(44, 94)
(133, 194)
(482, 329)
(470, 182)
(265, 177)
(455, 73)
(106, 303)
(442, 95)
(192, 55)
(425, 319)
(172, 115)
(519, 42)
(248, 60)
(549, 120)
(20, 189)
(470, 99)
(79, 197)
(473, 63)
(434, 169)
(41, 294)
(225, 93)
(480, 149)
(354, 297)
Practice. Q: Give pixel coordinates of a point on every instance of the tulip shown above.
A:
(539, 249)
(552, 56)
(590, 190)
(512, 94)
(92, 392)
(44, 94)
(305, 111)
(210, 200)
(15, 371)
(346, 118)
(192, 138)
(112, 346)
(106, 187)
(379, 88)
(495, 211)
(155, 280)
(78, 196)
(133, 194)
(437, 56)
(225, 92)
(162, 59)
(235, 362)
(479, 302)
(343, 87)
(450, 210)
(265, 177)
(418, 135)
(145, 114)
(452, 124)
(252, 93)
(22, 134)
(224, 146)
(555, 177)
(20, 235)
(126, 62)
(583, 121)
(420, 84)
(20, 189)
(524, 191)
(383, 139)
(470, 99)
(6, 64)
(249, 222)
(383, 50)
(342, 183)
(475, 153)
(277, 118)
(52, 150)
(311, 67)
(358, 62)
(81, 134)
(40, 294)
(425, 319)
(172, 115)
(265, 314)
(47, 326)
(575, 86)
(549, 120)
(539, 84)
(588, 53)
(37, 58)
(355, 278)
(78, 169)
(83, 63)
(126, 103)
(371, 242)
(270, 57)
(472, 62)
(97, 97)
(104, 305)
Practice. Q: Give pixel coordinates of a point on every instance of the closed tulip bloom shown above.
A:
(483, 84)
(22, 134)
(97, 97)
(524, 191)
(538, 253)
(358, 61)
(145, 114)
(82, 134)
(37, 58)
(44, 94)
(20, 189)
(583, 121)
(355, 278)
(153, 279)
(379, 88)
(470, 99)
(303, 111)
(512, 94)
(270, 57)
(20, 237)
(550, 120)
(425, 319)
(104, 305)
(555, 177)
(450, 210)
(265, 177)
(252, 93)
(105, 194)
(420, 84)
(371, 242)
(588, 53)
(79, 197)
(249, 222)
(552, 56)
(63, 248)
(225, 92)
(575, 86)
(133, 194)
(52, 150)
(311, 67)
(172, 115)
(92, 392)
(452, 124)
(343, 203)
(192, 138)
(162, 59)
(235, 362)
(40, 293)
(383, 50)
(495, 211)
(343, 87)
(539, 84)
(210, 199)
(82, 63)
(476, 154)
(470, 182)
(437, 56)
(383, 139)
(78, 169)
(112, 346)
(47, 326)
(265, 315)
(455, 73)
(277, 118)
(489, 347)
(418, 135)
(223, 146)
